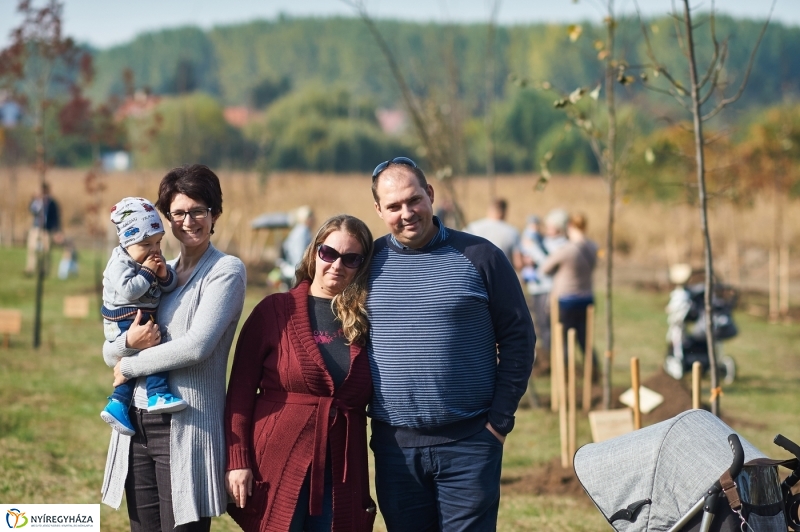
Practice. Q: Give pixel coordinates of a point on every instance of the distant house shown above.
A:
(392, 121)
(239, 116)
(137, 105)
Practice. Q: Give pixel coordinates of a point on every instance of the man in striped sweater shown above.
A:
(451, 349)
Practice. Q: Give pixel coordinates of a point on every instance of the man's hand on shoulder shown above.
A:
(496, 434)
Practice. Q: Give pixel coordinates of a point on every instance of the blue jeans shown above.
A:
(573, 316)
(157, 383)
(451, 487)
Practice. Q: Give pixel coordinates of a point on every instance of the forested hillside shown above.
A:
(231, 61)
(317, 94)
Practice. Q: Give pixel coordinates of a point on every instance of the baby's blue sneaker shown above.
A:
(165, 403)
(116, 415)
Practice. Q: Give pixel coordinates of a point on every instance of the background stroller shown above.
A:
(678, 476)
(686, 319)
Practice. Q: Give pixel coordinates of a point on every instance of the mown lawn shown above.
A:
(53, 443)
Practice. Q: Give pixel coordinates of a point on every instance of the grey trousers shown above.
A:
(148, 488)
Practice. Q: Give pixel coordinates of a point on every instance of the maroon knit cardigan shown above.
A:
(282, 413)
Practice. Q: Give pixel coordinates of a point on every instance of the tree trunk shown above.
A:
(41, 256)
(611, 178)
(701, 187)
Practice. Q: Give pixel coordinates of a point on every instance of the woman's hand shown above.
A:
(142, 336)
(239, 483)
(119, 378)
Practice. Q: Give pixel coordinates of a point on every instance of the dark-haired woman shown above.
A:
(173, 469)
(299, 386)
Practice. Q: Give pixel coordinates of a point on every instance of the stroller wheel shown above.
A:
(673, 367)
(726, 369)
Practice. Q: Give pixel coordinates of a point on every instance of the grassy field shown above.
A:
(53, 443)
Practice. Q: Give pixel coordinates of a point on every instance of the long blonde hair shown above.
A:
(349, 306)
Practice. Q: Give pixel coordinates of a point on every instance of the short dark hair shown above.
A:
(197, 181)
(501, 205)
(416, 170)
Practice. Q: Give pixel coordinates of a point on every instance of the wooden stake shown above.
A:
(572, 421)
(555, 339)
(783, 276)
(588, 360)
(562, 399)
(736, 272)
(637, 413)
(773, 285)
(697, 374)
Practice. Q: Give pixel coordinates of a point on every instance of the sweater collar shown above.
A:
(301, 322)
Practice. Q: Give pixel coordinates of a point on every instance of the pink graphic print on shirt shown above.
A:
(326, 337)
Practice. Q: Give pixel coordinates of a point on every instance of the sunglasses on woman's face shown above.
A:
(350, 260)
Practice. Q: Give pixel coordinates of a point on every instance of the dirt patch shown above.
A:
(677, 398)
(551, 479)
(546, 479)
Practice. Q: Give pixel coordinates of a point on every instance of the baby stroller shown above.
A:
(686, 334)
(691, 473)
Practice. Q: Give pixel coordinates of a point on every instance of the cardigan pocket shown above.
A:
(368, 517)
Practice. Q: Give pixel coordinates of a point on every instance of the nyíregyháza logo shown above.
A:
(16, 518)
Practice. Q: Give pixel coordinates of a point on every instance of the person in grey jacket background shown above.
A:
(173, 469)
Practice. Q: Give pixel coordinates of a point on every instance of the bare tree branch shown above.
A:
(712, 66)
(408, 96)
(727, 101)
(676, 19)
(678, 98)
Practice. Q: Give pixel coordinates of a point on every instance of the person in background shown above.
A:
(451, 348)
(572, 267)
(531, 245)
(68, 265)
(295, 244)
(172, 471)
(296, 411)
(46, 225)
(495, 229)
(535, 250)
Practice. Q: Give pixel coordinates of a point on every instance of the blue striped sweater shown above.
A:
(451, 339)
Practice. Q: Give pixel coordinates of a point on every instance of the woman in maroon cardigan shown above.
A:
(296, 408)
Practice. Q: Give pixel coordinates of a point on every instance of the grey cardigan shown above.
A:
(198, 322)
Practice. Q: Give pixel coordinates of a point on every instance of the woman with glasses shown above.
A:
(173, 469)
(296, 413)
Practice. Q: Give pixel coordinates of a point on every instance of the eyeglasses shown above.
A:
(397, 160)
(330, 255)
(194, 214)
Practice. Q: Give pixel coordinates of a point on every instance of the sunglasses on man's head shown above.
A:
(397, 160)
(350, 260)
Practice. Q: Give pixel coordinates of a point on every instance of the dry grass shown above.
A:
(649, 236)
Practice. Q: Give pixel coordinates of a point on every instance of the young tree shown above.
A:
(597, 121)
(37, 66)
(693, 95)
(437, 124)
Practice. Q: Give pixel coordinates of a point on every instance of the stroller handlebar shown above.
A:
(736, 464)
(782, 441)
(738, 455)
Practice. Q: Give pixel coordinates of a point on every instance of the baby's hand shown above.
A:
(151, 263)
(161, 272)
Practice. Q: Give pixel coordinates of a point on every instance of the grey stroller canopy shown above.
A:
(657, 474)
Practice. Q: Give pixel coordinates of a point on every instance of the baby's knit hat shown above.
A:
(136, 219)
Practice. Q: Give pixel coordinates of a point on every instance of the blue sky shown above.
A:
(105, 23)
